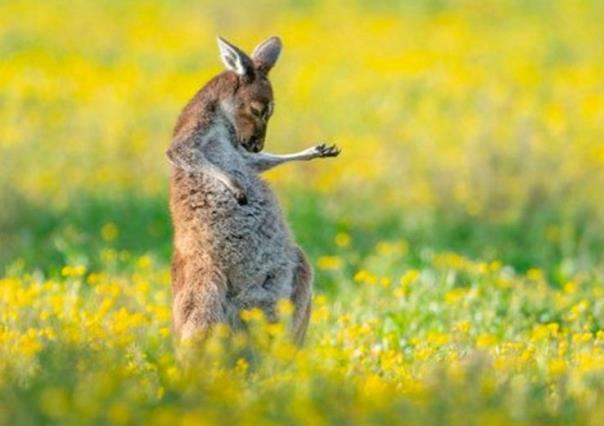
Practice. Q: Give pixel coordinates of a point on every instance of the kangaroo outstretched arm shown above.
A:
(263, 161)
(186, 154)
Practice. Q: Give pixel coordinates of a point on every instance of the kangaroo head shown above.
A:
(250, 105)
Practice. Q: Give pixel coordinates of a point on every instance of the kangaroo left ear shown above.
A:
(235, 59)
(265, 55)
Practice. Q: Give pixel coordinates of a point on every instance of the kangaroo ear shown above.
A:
(235, 59)
(266, 54)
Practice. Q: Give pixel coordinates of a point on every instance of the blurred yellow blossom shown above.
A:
(109, 231)
(342, 239)
(330, 262)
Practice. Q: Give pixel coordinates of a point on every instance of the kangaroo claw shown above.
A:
(241, 198)
(327, 151)
(238, 192)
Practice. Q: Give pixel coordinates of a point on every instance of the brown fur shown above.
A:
(232, 247)
(301, 297)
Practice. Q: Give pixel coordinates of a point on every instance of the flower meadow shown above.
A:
(457, 242)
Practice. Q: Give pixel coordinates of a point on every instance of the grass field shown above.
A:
(458, 240)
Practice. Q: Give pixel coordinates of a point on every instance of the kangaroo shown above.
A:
(232, 247)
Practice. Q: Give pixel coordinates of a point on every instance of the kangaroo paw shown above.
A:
(239, 193)
(240, 196)
(324, 151)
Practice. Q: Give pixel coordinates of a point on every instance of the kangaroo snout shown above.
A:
(255, 143)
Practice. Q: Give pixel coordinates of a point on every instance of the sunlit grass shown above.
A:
(428, 343)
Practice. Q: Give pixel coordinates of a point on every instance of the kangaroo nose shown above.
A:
(256, 144)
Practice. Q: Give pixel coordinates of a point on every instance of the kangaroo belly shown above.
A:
(251, 244)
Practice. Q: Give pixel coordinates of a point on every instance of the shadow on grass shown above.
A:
(47, 239)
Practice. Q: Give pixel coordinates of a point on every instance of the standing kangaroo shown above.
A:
(232, 247)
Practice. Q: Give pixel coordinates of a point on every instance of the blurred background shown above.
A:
(470, 126)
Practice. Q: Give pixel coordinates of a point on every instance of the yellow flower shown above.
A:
(29, 344)
(580, 338)
(556, 367)
(535, 274)
(109, 231)
(94, 278)
(462, 326)
(570, 287)
(254, 314)
(73, 271)
(409, 277)
(329, 262)
(485, 341)
(144, 262)
(342, 239)
(241, 367)
(438, 338)
(385, 248)
(365, 277)
(455, 295)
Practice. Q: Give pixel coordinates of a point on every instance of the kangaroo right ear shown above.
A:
(266, 54)
(235, 59)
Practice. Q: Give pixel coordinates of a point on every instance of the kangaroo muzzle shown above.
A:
(257, 144)
(254, 143)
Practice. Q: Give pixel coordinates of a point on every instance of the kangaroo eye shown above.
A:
(256, 111)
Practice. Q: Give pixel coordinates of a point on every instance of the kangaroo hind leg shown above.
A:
(199, 304)
(301, 298)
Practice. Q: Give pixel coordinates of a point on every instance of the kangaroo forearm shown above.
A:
(186, 157)
(264, 161)
(192, 160)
